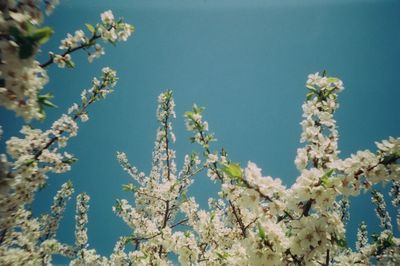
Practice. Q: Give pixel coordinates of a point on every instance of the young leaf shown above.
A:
(71, 160)
(70, 64)
(261, 232)
(90, 27)
(233, 170)
(310, 95)
(341, 243)
(42, 35)
(49, 104)
(325, 178)
(128, 187)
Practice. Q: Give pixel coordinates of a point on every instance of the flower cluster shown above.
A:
(255, 220)
(383, 215)
(158, 196)
(31, 241)
(22, 78)
(108, 30)
(57, 210)
(99, 91)
(81, 217)
(24, 239)
(35, 155)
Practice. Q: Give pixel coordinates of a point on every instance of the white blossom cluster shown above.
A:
(99, 91)
(256, 220)
(109, 30)
(83, 255)
(383, 215)
(57, 210)
(24, 239)
(22, 77)
(313, 231)
(24, 170)
(31, 241)
(164, 188)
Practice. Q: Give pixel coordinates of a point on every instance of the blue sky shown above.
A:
(247, 63)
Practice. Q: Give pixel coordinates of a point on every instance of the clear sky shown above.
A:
(247, 63)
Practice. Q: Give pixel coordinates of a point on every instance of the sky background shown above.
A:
(247, 63)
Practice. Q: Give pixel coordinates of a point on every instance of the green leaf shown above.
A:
(70, 64)
(310, 95)
(198, 109)
(184, 196)
(129, 187)
(44, 100)
(28, 42)
(332, 79)
(261, 232)
(30, 161)
(325, 178)
(188, 115)
(42, 35)
(71, 160)
(49, 104)
(46, 96)
(223, 256)
(212, 216)
(311, 88)
(233, 170)
(90, 27)
(341, 243)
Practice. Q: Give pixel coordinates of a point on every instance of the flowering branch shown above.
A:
(109, 30)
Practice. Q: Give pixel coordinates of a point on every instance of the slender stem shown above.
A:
(327, 258)
(236, 213)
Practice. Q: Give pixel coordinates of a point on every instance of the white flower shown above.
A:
(68, 43)
(84, 117)
(212, 158)
(196, 117)
(59, 60)
(107, 17)
(73, 108)
(109, 35)
(80, 36)
(84, 96)
(124, 34)
(99, 51)
(252, 172)
(301, 159)
(313, 78)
